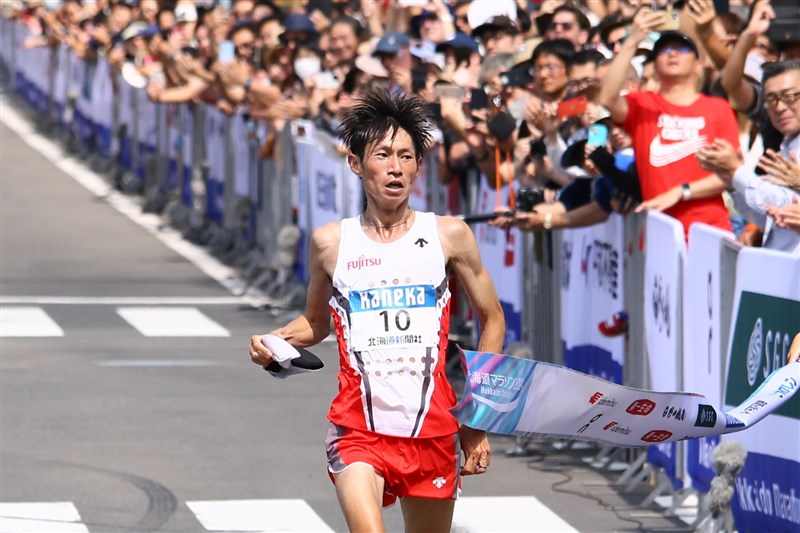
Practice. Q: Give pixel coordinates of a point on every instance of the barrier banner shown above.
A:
(241, 153)
(528, 398)
(702, 346)
(665, 251)
(766, 319)
(418, 200)
(216, 153)
(591, 293)
(102, 106)
(325, 188)
(501, 253)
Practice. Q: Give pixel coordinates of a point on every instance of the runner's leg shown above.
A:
(360, 492)
(427, 514)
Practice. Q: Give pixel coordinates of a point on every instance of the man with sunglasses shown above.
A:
(568, 22)
(669, 126)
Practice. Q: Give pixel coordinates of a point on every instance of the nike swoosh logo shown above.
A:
(664, 154)
(499, 407)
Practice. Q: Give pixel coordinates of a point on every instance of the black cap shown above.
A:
(667, 37)
(500, 22)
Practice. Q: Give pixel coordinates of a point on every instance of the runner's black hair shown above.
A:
(376, 113)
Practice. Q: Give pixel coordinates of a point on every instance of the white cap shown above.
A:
(480, 11)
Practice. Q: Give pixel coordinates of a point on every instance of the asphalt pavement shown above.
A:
(128, 402)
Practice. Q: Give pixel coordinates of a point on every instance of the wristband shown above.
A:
(686, 192)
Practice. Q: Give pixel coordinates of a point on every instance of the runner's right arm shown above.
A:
(313, 325)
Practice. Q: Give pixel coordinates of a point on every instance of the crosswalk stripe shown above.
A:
(171, 322)
(495, 514)
(54, 517)
(266, 516)
(27, 322)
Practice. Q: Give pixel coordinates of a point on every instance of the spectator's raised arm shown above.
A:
(741, 94)
(644, 22)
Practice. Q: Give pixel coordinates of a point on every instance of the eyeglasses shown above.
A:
(550, 69)
(681, 49)
(620, 41)
(771, 100)
(566, 25)
(577, 85)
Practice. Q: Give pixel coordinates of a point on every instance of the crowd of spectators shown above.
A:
(594, 106)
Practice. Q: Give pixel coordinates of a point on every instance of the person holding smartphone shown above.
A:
(668, 127)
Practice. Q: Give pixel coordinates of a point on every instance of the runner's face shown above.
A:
(389, 169)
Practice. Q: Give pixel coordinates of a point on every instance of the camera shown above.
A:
(528, 198)
(538, 149)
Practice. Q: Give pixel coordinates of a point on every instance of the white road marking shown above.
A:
(27, 322)
(146, 363)
(223, 274)
(505, 514)
(55, 517)
(120, 300)
(171, 322)
(258, 515)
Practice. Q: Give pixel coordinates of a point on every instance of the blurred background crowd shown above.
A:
(587, 107)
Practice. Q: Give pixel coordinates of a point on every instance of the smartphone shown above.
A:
(517, 77)
(571, 107)
(671, 17)
(478, 99)
(419, 76)
(449, 91)
(538, 149)
(227, 52)
(785, 28)
(598, 135)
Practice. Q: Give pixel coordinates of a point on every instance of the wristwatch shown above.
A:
(686, 191)
(548, 221)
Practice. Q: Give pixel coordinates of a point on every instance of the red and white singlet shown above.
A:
(391, 308)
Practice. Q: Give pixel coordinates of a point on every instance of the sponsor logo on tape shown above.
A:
(642, 407)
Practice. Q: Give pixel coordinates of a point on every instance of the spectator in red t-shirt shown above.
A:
(668, 127)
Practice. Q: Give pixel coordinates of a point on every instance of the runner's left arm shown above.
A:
(464, 259)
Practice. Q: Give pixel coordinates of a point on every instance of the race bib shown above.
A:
(393, 317)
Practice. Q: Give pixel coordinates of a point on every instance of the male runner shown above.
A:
(384, 278)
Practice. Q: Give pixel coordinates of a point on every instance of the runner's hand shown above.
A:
(475, 445)
(794, 350)
(259, 353)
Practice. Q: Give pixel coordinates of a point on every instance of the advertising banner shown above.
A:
(665, 251)
(702, 345)
(591, 293)
(766, 319)
(523, 397)
(501, 253)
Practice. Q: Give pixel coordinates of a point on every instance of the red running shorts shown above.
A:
(420, 468)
